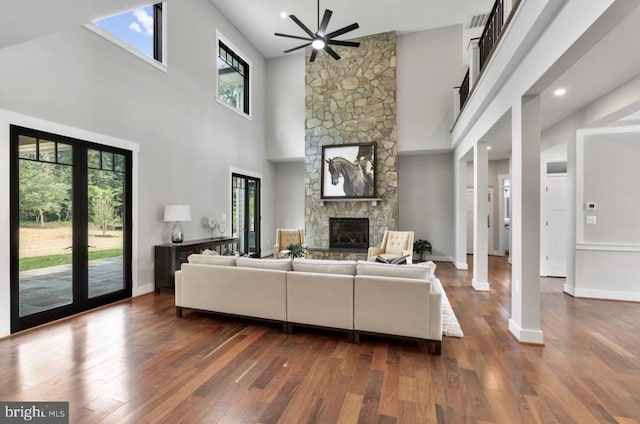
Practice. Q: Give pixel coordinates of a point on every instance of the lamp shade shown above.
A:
(177, 213)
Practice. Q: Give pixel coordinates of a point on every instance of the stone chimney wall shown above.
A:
(352, 100)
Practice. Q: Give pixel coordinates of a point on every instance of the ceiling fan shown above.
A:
(321, 40)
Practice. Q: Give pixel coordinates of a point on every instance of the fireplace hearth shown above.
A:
(349, 234)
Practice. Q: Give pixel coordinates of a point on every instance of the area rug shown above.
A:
(450, 325)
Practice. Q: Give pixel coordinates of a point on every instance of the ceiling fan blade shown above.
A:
(344, 43)
(293, 36)
(296, 48)
(325, 21)
(342, 31)
(314, 53)
(301, 25)
(332, 52)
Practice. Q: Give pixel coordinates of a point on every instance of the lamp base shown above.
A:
(176, 233)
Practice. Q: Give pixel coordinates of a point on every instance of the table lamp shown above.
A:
(177, 214)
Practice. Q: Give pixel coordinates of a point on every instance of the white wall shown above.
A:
(289, 181)
(188, 141)
(607, 252)
(285, 113)
(425, 188)
(429, 66)
(610, 162)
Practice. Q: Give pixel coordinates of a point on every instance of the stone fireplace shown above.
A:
(349, 233)
(352, 101)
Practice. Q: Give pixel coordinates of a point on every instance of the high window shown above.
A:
(139, 29)
(233, 78)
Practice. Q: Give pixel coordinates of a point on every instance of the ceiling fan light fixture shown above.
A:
(318, 44)
(321, 40)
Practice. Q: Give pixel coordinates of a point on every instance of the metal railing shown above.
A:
(491, 32)
(464, 90)
(490, 37)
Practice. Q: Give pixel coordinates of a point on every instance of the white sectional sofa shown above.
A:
(355, 297)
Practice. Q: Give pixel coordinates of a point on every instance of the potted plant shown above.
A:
(421, 247)
(296, 250)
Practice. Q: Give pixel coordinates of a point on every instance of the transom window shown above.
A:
(140, 29)
(233, 79)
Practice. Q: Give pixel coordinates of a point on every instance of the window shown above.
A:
(233, 78)
(139, 29)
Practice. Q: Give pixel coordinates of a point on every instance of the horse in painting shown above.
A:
(356, 183)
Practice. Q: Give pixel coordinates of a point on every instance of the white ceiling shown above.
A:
(259, 20)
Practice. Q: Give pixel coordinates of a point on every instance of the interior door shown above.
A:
(246, 213)
(470, 223)
(70, 226)
(556, 226)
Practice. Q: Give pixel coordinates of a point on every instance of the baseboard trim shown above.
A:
(602, 294)
(525, 336)
(460, 265)
(480, 285)
(569, 289)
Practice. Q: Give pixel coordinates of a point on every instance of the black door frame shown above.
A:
(257, 217)
(81, 301)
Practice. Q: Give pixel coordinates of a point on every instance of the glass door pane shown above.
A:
(238, 218)
(45, 278)
(106, 188)
(252, 217)
(245, 222)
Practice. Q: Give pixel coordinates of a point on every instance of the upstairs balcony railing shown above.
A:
(491, 32)
(464, 89)
(493, 29)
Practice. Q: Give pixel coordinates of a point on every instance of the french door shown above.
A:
(245, 221)
(70, 226)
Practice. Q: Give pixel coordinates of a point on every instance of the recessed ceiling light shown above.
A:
(488, 147)
(560, 92)
(283, 15)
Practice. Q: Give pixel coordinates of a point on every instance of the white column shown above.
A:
(460, 188)
(480, 217)
(456, 103)
(524, 323)
(473, 50)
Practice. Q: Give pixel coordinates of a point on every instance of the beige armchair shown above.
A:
(394, 244)
(286, 237)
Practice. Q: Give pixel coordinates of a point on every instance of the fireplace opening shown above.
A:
(349, 233)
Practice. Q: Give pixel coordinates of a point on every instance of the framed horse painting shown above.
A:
(348, 171)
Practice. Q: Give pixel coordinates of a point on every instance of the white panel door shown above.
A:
(470, 223)
(556, 226)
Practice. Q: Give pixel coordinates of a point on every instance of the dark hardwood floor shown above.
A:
(136, 362)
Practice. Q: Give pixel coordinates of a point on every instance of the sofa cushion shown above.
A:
(197, 258)
(278, 264)
(324, 266)
(390, 270)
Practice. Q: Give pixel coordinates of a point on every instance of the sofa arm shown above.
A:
(178, 288)
(435, 304)
(414, 311)
(373, 252)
